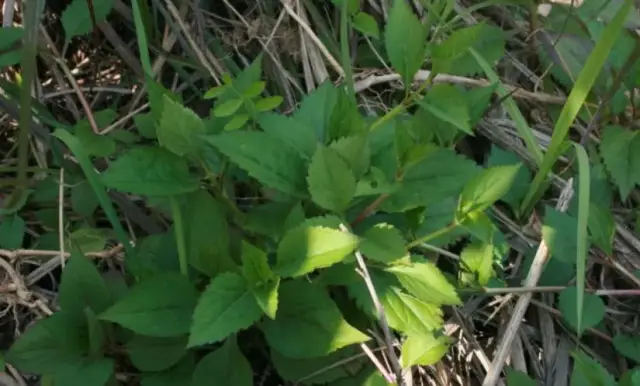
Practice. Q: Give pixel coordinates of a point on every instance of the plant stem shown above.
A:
(370, 209)
(179, 232)
(432, 235)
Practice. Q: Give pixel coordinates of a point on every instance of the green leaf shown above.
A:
(265, 158)
(355, 151)
(268, 103)
(478, 100)
(86, 373)
(487, 188)
(50, 345)
(83, 199)
(180, 374)
(620, 149)
(630, 378)
(227, 108)
(627, 345)
(237, 122)
(254, 89)
(588, 371)
(406, 54)
(352, 5)
(560, 233)
(94, 144)
(308, 247)
(215, 92)
(87, 240)
(366, 24)
(150, 171)
(426, 282)
(424, 349)
(290, 130)
(346, 118)
(263, 282)
(447, 103)
(383, 243)
(602, 227)
(12, 228)
(477, 258)
(453, 56)
(331, 182)
(225, 307)
(520, 185)
(518, 378)
(83, 286)
(9, 36)
(76, 19)
(160, 306)
(316, 109)
(308, 323)
(146, 125)
(179, 128)
(593, 309)
(226, 365)
(320, 370)
(156, 354)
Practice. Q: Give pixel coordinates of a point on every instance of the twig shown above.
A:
(389, 377)
(523, 302)
(61, 217)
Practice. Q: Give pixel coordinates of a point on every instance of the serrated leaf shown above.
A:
(150, 171)
(316, 108)
(263, 282)
(478, 100)
(602, 227)
(486, 188)
(518, 378)
(308, 323)
(160, 306)
(477, 258)
(331, 182)
(83, 286)
(355, 151)
(226, 365)
(225, 307)
(76, 19)
(424, 349)
(627, 345)
(86, 373)
(290, 130)
(453, 57)
(94, 144)
(366, 24)
(593, 309)
(447, 103)
(426, 282)
(620, 150)
(268, 103)
(12, 228)
(180, 128)
(227, 108)
(310, 370)
(588, 371)
(560, 233)
(265, 158)
(406, 55)
(346, 118)
(309, 247)
(383, 243)
(520, 185)
(156, 354)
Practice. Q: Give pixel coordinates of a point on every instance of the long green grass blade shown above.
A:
(583, 217)
(576, 99)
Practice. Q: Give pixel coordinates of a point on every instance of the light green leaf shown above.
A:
(180, 128)
(268, 103)
(518, 378)
(383, 243)
(627, 345)
(487, 188)
(352, 5)
(227, 108)
(226, 306)
(82, 286)
(160, 306)
(308, 247)
(254, 90)
(291, 131)
(560, 233)
(320, 370)
(593, 309)
(237, 122)
(265, 158)
(87, 240)
(225, 366)
(150, 171)
(366, 24)
(520, 185)
(406, 54)
(12, 228)
(620, 149)
(215, 92)
(308, 323)
(156, 354)
(424, 349)
(331, 182)
(426, 282)
(76, 19)
(447, 103)
(477, 258)
(263, 282)
(86, 373)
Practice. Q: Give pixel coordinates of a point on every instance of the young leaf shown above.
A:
(383, 243)
(12, 229)
(406, 55)
(446, 102)
(268, 103)
(477, 258)
(520, 185)
(225, 307)
(83, 286)
(291, 131)
(627, 345)
(76, 19)
(593, 309)
(263, 282)
(560, 234)
(366, 24)
(254, 89)
(215, 92)
(518, 378)
(227, 108)
(156, 354)
(237, 122)
(226, 366)
(160, 306)
(424, 349)
(487, 188)
(179, 128)
(331, 181)
(308, 323)
(86, 373)
(265, 158)
(620, 150)
(150, 171)
(308, 247)
(426, 282)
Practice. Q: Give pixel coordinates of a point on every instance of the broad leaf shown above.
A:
(76, 18)
(265, 158)
(477, 258)
(86, 373)
(308, 323)
(316, 108)
(12, 229)
(150, 171)
(83, 286)
(627, 345)
(156, 354)
(309, 247)
(383, 243)
(92, 143)
(487, 188)
(355, 151)
(318, 370)
(405, 39)
(180, 374)
(366, 24)
(518, 378)
(160, 306)
(226, 306)
(331, 182)
(426, 282)
(226, 366)
(424, 349)
(620, 149)
(292, 131)
(520, 184)
(261, 279)
(588, 371)
(446, 102)
(593, 309)
(179, 128)
(560, 233)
